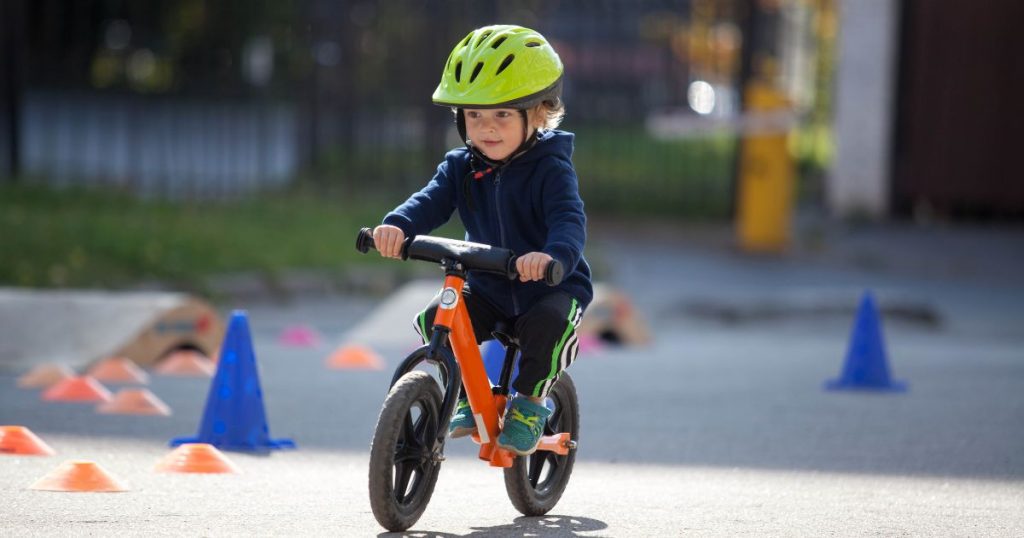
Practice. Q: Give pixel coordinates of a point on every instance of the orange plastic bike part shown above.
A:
(557, 443)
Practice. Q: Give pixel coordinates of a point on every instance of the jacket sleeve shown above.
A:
(563, 214)
(427, 209)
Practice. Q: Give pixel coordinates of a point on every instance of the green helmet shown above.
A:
(500, 66)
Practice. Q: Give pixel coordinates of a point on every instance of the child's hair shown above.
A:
(543, 116)
(546, 115)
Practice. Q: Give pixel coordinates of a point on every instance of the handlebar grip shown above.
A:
(364, 241)
(554, 273)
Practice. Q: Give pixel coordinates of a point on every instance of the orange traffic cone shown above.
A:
(355, 357)
(118, 370)
(134, 402)
(79, 475)
(45, 375)
(21, 441)
(196, 458)
(186, 363)
(77, 389)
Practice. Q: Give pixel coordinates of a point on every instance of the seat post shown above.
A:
(504, 380)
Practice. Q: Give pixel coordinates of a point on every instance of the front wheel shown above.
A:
(536, 482)
(403, 465)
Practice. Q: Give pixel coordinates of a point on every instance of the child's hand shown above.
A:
(531, 266)
(388, 240)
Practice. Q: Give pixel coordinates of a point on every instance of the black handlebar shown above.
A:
(473, 256)
(364, 242)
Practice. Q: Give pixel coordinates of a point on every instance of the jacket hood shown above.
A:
(554, 142)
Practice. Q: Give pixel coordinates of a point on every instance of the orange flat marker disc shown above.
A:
(19, 440)
(196, 458)
(354, 357)
(118, 370)
(45, 375)
(77, 389)
(134, 402)
(186, 363)
(79, 475)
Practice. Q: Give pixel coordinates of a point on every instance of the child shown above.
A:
(514, 187)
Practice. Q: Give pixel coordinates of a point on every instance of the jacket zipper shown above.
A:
(501, 235)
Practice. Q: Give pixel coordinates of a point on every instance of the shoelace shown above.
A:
(530, 421)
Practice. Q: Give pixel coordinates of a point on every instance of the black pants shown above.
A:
(546, 333)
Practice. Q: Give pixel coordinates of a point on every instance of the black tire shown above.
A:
(403, 470)
(536, 482)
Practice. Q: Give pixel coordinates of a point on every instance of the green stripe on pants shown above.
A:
(423, 326)
(558, 350)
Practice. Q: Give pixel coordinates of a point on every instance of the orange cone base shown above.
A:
(45, 375)
(77, 389)
(196, 458)
(354, 357)
(186, 363)
(118, 370)
(19, 440)
(135, 402)
(79, 475)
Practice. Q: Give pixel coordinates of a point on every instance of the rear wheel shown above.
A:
(403, 465)
(536, 482)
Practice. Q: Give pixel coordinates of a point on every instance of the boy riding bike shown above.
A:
(514, 187)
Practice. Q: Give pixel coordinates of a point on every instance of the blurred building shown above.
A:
(928, 95)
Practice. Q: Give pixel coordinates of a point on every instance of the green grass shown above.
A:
(103, 238)
(625, 171)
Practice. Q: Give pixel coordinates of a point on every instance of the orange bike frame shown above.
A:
(453, 315)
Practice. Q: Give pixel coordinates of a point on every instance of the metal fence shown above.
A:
(187, 98)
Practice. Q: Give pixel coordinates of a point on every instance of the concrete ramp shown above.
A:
(79, 327)
(390, 326)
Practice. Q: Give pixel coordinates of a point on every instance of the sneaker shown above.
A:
(524, 426)
(462, 423)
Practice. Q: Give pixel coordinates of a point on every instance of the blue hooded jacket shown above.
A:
(530, 204)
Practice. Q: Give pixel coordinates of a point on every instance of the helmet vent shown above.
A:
(508, 59)
(482, 38)
(458, 72)
(476, 71)
(497, 43)
(533, 44)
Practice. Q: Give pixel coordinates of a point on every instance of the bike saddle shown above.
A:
(503, 333)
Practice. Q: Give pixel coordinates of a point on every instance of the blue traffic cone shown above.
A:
(866, 367)
(234, 418)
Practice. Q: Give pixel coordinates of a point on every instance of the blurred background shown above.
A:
(164, 143)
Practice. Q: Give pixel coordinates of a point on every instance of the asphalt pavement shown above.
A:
(719, 427)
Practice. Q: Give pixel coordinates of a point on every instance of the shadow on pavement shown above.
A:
(549, 525)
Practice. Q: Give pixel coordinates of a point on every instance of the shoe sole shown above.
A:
(515, 450)
(460, 432)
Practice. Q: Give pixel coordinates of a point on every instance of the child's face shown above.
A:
(497, 132)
